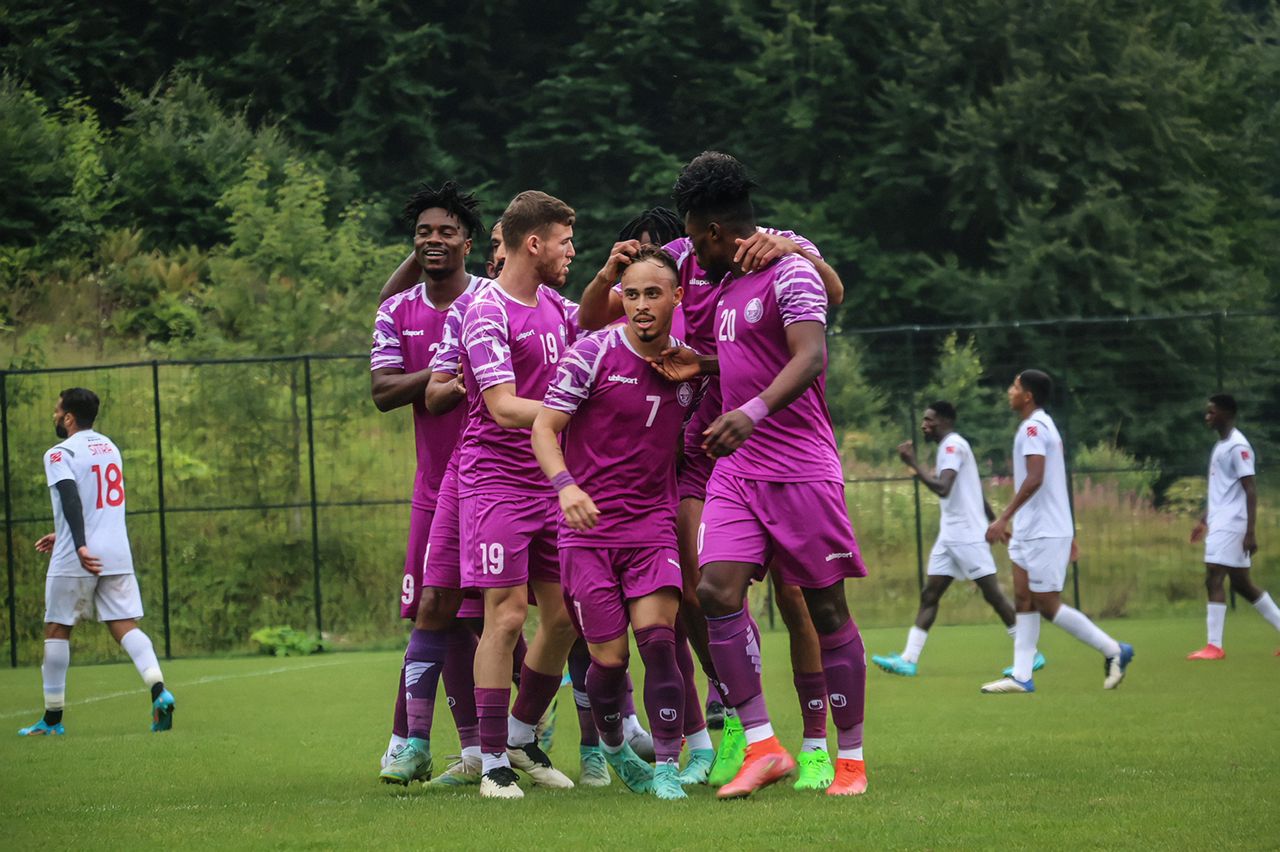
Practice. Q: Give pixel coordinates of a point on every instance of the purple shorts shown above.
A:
(509, 540)
(598, 582)
(411, 582)
(695, 465)
(442, 563)
(800, 530)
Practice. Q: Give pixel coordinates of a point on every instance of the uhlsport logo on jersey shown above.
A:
(838, 699)
(413, 332)
(755, 310)
(684, 394)
(831, 557)
(626, 380)
(668, 714)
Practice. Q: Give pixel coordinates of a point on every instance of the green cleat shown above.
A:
(595, 771)
(634, 772)
(698, 767)
(412, 763)
(666, 782)
(463, 772)
(733, 750)
(545, 732)
(162, 711)
(816, 771)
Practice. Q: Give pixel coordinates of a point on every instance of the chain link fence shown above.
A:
(270, 491)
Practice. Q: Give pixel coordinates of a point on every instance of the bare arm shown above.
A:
(599, 304)
(999, 529)
(940, 486)
(444, 392)
(511, 411)
(406, 275)
(393, 388)
(761, 248)
(1251, 509)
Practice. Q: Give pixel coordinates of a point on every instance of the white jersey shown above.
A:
(1231, 461)
(1048, 513)
(964, 520)
(93, 463)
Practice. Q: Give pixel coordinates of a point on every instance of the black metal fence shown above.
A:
(269, 491)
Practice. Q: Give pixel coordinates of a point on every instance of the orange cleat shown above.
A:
(851, 778)
(766, 762)
(1208, 652)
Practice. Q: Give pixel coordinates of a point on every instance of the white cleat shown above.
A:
(462, 772)
(533, 761)
(390, 754)
(500, 783)
(1008, 685)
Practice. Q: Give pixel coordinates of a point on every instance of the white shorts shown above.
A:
(69, 599)
(1045, 561)
(961, 561)
(1225, 548)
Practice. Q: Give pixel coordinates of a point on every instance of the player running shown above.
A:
(619, 565)
(775, 496)
(514, 334)
(1228, 524)
(90, 563)
(961, 551)
(1043, 542)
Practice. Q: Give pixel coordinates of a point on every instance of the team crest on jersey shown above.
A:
(755, 310)
(684, 394)
(1032, 431)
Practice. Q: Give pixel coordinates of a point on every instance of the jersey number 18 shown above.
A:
(114, 480)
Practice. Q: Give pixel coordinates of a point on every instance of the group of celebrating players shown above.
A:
(637, 461)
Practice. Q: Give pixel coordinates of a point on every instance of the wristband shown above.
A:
(563, 480)
(756, 409)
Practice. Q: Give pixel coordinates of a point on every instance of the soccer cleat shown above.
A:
(894, 664)
(545, 731)
(461, 773)
(1209, 652)
(733, 748)
(500, 783)
(666, 782)
(42, 729)
(389, 755)
(1114, 667)
(1009, 685)
(715, 715)
(698, 767)
(851, 778)
(534, 762)
(766, 762)
(1036, 665)
(816, 771)
(162, 711)
(595, 771)
(634, 772)
(641, 742)
(411, 763)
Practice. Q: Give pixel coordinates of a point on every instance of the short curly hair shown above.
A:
(717, 185)
(450, 197)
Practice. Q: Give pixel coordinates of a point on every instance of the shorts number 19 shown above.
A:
(492, 558)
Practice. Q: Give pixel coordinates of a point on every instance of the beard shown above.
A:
(553, 273)
(60, 431)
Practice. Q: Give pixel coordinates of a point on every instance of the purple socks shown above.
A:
(460, 685)
(423, 661)
(811, 689)
(607, 688)
(491, 708)
(735, 650)
(844, 661)
(692, 715)
(579, 663)
(534, 695)
(400, 721)
(663, 690)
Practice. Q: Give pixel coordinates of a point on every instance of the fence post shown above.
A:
(315, 523)
(8, 522)
(164, 535)
(915, 480)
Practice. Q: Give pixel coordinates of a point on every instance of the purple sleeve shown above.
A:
(679, 249)
(799, 291)
(448, 355)
(386, 353)
(484, 338)
(575, 376)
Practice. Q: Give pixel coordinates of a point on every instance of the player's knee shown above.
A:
(717, 602)
(928, 598)
(438, 604)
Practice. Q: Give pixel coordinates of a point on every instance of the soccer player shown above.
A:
(1043, 541)
(775, 496)
(620, 421)
(407, 329)
(1227, 525)
(600, 304)
(961, 551)
(514, 334)
(90, 563)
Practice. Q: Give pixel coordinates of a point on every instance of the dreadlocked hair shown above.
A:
(717, 185)
(449, 197)
(662, 224)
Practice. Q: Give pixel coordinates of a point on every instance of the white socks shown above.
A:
(1024, 645)
(138, 646)
(1267, 609)
(1216, 619)
(1078, 625)
(813, 744)
(631, 726)
(57, 659)
(699, 740)
(759, 733)
(491, 762)
(519, 733)
(849, 753)
(915, 644)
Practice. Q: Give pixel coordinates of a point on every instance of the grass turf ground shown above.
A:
(272, 753)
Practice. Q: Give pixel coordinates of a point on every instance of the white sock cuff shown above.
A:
(759, 733)
(1219, 607)
(57, 642)
(699, 740)
(849, 753)
(54, 700)
(813, 744)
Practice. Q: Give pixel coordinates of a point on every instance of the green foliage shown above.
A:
(1107, 462)
(284, 641)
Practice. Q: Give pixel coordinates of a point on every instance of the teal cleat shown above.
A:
(595, 770)
(1035, 666)
(42, 729)
(463, 772)
(634, 772)
(698, 767)
(545, 731)
(411, 763)
(162, 711)
(733, 750)
(666, 782)
(894, 664)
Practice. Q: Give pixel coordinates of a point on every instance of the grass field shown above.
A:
(273, 753)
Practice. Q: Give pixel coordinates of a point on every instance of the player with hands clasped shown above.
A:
(1043, 543)
(90, 563)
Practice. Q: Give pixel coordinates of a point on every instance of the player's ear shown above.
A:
(679, 294)
(466, 247)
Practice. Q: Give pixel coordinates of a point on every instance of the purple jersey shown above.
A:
(508, 341)
(406, 332)
(622, 443)
(796, 444)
